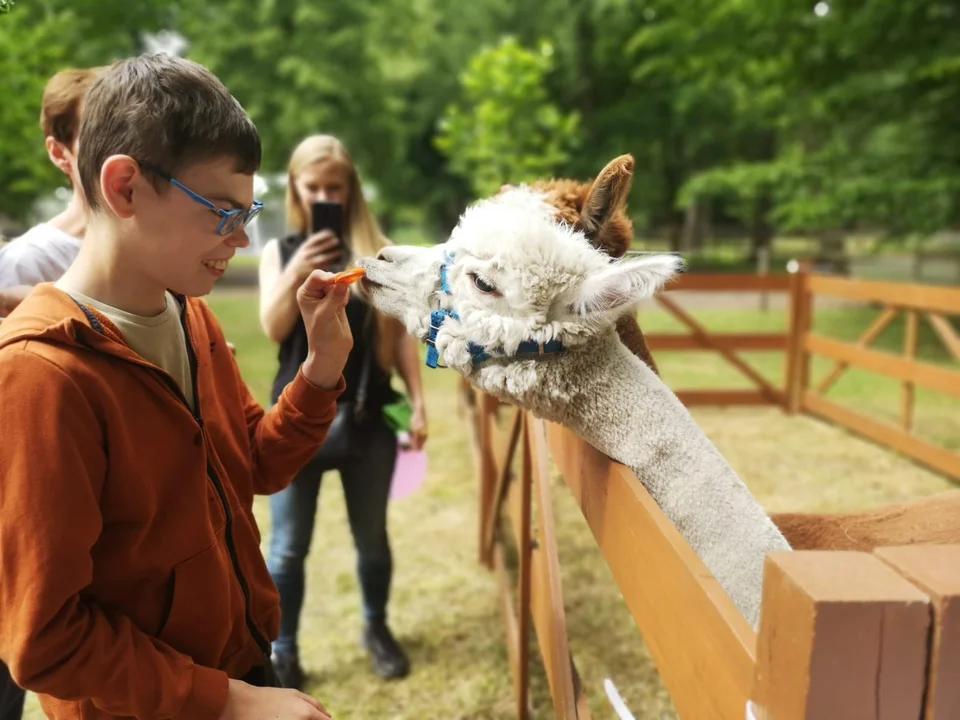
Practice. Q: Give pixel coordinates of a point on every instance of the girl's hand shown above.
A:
(418, 429)
(320, 251)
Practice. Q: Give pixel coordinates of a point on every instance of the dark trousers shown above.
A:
(366, 489)
(11, 696)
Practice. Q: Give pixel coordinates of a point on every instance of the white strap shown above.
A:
(618, 704)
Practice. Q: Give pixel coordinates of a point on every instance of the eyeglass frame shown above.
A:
(246, 215)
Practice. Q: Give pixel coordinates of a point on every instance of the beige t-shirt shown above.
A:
(158, 339)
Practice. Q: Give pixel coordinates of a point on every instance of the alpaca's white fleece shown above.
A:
(615, 402)
(549, 283)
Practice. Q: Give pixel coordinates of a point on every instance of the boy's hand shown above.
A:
(248, 702)
(329, 339)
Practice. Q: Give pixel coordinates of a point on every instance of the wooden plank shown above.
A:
(525, 554)
(879, 324)
(503, 479)
(728, 341)
(514, 639)
(947, 334)
(795, 332)
(917, 372)
(842, 637)
(699, 332)
(695, 398)
(548, 611)
(886, 434)
(935, 569)
(538, 607)
(898, 294)
(727, 282)
(908, 391)
(487, 466)
(702, 646)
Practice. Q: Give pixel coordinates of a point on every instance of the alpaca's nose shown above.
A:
(388, 253)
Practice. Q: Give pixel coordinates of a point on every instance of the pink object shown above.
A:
(409, 473)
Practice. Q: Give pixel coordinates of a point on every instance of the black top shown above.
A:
(293, 349)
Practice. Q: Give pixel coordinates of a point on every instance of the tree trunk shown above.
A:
(696, 221)
(831, 252)
(761, 231)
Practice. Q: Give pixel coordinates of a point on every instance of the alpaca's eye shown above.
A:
(482, 285)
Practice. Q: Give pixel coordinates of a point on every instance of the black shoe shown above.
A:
(288, 670)
(389, 660)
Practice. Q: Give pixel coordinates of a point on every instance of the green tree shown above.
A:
(36, 40)
(505, 129)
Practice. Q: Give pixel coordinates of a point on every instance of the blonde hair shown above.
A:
(360, 226)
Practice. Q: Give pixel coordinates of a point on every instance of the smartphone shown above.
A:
(325, 215)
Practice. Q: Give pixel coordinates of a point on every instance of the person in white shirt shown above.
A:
(44, 252)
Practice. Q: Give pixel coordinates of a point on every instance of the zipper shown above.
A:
(258, 638)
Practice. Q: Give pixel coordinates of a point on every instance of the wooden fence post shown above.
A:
(797, 366)
(935, 569)
(488, 471)
(842, 637)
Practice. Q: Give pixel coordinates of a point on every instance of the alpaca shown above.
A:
(525, 308)
(597, 208)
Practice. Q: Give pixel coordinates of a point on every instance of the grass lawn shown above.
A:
(444, 606)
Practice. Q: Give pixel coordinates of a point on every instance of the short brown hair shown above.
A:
(164, 112)
(63, 102)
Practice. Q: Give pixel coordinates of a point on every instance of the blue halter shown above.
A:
(477, 353)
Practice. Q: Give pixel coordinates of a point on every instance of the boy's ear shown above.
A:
(624, 283)
(607, 194)
(118, 178)
(59, 155)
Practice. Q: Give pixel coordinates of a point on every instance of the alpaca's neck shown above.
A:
(617, 404)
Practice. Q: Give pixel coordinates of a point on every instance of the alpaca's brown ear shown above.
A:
(607, 194)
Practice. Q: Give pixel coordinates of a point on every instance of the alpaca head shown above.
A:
(513, 276)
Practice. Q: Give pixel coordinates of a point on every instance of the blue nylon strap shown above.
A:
(477, 353)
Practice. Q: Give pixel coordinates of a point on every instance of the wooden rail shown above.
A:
(799, 344)
(726, 344)
(842, 635)
(912, 301)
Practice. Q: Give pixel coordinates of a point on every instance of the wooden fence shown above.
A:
(842, 635)
(894, 298)
(798, 344)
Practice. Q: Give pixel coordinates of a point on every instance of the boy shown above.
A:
(45, 251)
(131, 578)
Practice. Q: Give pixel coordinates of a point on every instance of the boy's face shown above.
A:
(177, 235)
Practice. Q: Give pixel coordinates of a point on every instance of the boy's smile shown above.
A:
(216, 267)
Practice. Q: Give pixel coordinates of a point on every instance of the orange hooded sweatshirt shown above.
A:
(131, 577)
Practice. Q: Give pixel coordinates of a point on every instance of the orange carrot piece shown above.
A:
(348, 277)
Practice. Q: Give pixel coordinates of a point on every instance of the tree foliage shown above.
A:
(505, 129)
(778, 114)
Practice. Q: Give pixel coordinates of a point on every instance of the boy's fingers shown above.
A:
(316, 703)
(318, 284)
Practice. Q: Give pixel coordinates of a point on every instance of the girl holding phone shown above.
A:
(361, 445)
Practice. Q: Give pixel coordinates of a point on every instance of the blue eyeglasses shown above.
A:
(230, 220)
